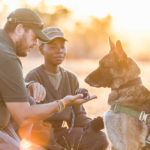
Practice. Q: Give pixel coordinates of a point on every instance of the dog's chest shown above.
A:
(136, 97)
(123, 129)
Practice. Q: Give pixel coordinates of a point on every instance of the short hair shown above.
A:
(9, 27)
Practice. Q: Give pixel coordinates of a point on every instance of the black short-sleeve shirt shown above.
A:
(12, 87)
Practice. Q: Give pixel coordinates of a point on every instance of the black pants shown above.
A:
(77, 140)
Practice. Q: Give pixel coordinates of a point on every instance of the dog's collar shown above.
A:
(119, 108)
(142, 116)
(130, 83)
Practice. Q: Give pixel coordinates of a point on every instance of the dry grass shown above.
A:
(82, 68)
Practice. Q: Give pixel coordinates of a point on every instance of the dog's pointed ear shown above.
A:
(120, 49)
(119, 45)
(112, 45)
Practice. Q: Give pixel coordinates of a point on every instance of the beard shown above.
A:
(21, 48)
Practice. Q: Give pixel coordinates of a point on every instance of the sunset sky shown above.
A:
(131, 18)
(130, 15)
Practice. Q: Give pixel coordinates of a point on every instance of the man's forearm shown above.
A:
(42, 111)
(24, 113)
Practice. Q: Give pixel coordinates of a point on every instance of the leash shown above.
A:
(72, 121)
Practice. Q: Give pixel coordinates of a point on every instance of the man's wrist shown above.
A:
(61, 105)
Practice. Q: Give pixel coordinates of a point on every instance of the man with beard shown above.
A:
(20, 33)
(60, 82)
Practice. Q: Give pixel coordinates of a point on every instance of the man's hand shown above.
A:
(37, 91)
(77, 99)
(86, 94)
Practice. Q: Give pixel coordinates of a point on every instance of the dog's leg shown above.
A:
(113, 122)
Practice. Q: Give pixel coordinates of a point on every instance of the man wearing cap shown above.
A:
(20, 33)
(60, 82)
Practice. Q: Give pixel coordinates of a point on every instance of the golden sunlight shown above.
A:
(132, 15)
(128, 15)
(25, 145)
(33, 2)
(12, 4)
(130, 18)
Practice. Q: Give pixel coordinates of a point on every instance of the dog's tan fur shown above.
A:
(115, 70)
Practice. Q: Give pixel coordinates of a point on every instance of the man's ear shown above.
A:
(41, 49)
(19, 30)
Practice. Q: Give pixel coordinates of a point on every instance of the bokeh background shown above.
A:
(87, 25)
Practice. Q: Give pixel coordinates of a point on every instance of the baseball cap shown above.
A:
(52, 33)
(28, 18)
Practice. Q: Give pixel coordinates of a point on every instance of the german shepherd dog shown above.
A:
(120, 73)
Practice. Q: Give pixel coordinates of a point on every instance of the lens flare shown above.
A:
(25, 145)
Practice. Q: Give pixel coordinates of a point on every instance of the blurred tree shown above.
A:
(51, 15)
(85, 39)
(91, 38)
(54, 19)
